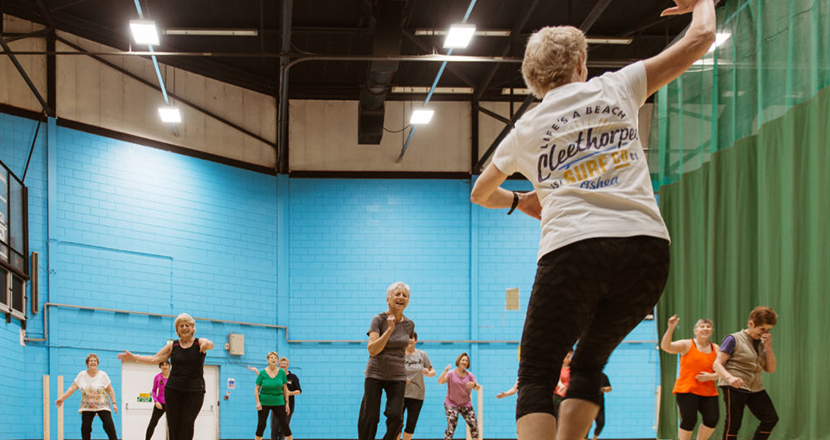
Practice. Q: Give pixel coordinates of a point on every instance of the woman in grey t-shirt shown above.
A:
(389, 335)
(418, 365)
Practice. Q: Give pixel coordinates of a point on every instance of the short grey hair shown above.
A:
(396, 286)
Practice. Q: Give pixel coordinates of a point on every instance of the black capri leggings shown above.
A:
(595, 290)
(282, 419)
(106, 420)
(689, 404)
(412, 407)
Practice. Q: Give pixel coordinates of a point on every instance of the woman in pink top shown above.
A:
(158, 397)
(459, 382)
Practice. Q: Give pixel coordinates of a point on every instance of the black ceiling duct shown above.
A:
(388, 18)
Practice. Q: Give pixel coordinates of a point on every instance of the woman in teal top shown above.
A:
(271, 395)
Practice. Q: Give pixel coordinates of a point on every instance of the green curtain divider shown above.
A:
(749, 228)
(777, 55)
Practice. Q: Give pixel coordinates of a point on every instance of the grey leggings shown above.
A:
(452, 420)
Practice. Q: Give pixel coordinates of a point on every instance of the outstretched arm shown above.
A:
(664, 67)
(488, 193)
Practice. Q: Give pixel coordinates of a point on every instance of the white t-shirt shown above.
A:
(580, 148)
(94, 395)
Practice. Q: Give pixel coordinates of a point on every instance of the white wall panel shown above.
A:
(323, 137)
(13, 88)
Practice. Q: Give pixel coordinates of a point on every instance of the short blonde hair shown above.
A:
(183, 317)
(396, 286)
(274, 353)
(551, 56)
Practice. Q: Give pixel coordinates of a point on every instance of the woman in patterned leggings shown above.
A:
(459, 382)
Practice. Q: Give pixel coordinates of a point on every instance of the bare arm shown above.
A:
(488, 193)
(442, 379)
(605, 389)
(111, 393)
(72, 389)
(681, 347)
(719, 368)
(378, 342)
(205, 345)
(430, 372)
(509, 392)
(766, 339)
(664, 67)
(162, 355)
(285, 394)
(256, 395)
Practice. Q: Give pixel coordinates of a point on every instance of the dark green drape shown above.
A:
(752, 227)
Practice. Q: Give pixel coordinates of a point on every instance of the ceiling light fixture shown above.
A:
(170, 114)
(213, 32)
(421, 116)
(145, 32)
(720, 38)
(438, 90)
(477, 33)
(608, 40)
(522, 91)
(459, 36)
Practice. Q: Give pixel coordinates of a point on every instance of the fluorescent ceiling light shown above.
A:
(608, 40)
(506, 91)
(170, 114)
(213, 32)
(720, 38)
(438, 90)
(477, 33)
(145, 32)
(426, 32)
(421, 116)
(459, 36)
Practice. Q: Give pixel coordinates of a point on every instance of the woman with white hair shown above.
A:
(185, 389)
(389, 335)
(603, 257)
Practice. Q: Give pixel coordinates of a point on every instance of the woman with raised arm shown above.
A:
(185, 389)
(460, 384)
(95, 386)
(603, 258)
(418, 365)
(389, 334)
(695, 388)
(159, 382)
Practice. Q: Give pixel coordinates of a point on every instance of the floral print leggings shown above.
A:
(452, 420)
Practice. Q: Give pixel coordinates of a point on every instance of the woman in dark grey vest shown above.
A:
(389, 335)
(742, 359)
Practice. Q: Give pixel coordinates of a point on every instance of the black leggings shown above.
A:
(106, 420)
(600, 421)
(182, 410)
(367, 421)
(759, 404)
(154, 420)
(413, 408)
(595, 291)
(689, 404)
(282, 418)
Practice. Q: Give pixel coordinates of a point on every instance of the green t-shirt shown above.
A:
(270, 392)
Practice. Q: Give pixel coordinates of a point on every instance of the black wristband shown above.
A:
(515, 203)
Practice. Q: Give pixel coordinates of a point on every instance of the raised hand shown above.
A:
(673, 321)
(683, 7)
(390, 321)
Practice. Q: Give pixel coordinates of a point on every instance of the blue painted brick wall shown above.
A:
(150, 231)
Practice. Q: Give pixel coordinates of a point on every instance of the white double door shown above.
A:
(137, 385)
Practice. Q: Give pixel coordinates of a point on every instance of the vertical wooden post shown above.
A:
(479, 417)
(60, 409)
(47, 434)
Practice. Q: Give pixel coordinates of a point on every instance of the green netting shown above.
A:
(749, 228)
(777, 55)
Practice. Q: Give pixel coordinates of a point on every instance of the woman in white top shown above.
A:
(95, 386)
(604, 250)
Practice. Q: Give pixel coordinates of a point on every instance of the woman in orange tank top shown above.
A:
(695, 388)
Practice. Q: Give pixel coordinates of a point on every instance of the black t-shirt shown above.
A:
(187, 372)
(293, 385)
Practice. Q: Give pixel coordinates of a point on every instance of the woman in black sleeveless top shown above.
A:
(185, 390)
